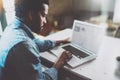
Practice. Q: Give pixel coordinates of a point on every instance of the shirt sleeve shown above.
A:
(44, 45)
(24, 63)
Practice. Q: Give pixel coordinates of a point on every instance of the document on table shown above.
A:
(61, 35)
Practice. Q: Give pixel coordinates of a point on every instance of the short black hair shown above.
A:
(24, 6)
(22, 9)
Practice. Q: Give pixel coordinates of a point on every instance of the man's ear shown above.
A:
(30, 14)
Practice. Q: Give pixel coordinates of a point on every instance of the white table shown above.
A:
(103, 67)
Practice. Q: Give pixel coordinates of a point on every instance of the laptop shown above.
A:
(85, 43)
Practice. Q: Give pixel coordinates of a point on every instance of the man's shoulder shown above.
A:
(11, 37)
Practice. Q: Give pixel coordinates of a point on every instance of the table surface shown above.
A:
(103, 67)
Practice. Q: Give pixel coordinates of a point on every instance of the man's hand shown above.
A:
(67, 40)
(66, 56)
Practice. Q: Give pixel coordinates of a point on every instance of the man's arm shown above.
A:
(44, 45)
(48, 44)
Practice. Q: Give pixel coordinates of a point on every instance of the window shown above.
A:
(9, 8)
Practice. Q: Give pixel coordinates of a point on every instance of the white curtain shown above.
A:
(116, 17)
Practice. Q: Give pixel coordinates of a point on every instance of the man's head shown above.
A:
(32, 12)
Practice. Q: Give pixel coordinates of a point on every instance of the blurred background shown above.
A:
(63, 12)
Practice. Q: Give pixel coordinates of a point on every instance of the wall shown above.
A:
(65, 11)
(59, 7)
(94, 5)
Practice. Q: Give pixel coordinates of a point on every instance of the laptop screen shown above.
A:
(87, 36)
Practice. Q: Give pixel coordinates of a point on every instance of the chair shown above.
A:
(118, 33)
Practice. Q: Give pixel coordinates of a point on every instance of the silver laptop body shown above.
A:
(85, 43)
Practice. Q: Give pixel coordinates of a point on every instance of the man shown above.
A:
(19, 49)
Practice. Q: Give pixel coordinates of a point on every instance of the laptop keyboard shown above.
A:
(76, 52)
